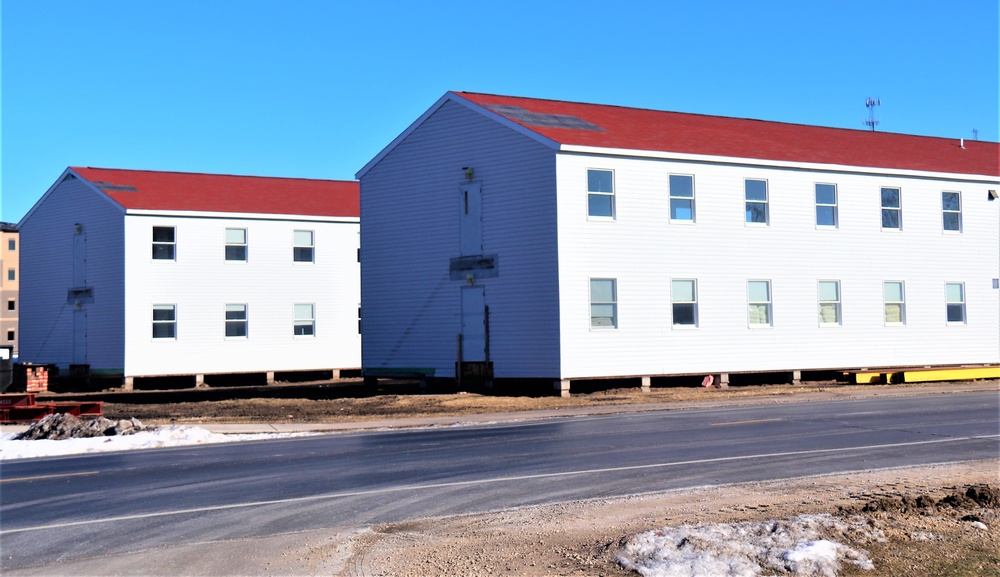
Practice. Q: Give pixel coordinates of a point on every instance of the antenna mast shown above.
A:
(871, 103)
(975, 134)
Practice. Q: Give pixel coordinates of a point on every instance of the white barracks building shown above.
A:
(135, 274)
(558, 240)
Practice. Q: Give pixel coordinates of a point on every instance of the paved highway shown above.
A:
(61, 509)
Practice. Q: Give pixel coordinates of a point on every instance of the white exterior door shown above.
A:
(473, 324)
(471, 224)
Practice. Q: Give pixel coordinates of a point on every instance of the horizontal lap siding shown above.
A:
(200, 283)
(46, 319)
(643, 250)
(410, 208)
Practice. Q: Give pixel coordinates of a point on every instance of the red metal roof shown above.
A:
(184, 191)
(654, 130)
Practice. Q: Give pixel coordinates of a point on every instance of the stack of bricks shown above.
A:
(37, 379)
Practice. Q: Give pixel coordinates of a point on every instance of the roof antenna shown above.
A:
(975, 134)
(871, 103)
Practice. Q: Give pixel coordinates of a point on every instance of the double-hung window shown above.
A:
(829, 302)
(892, 213)
(303, 246)
(236, 244)
(759, 301)
(11, 244)
(681, 198)
(756, 201)
(684, 298)
(955, 297)
(164, 321)
(826, 205)
(11, 274)
(895, 302)
(951, 211)
(236, 320)
(164, 243)
(601, 193)
(305, 320)
(603, 303)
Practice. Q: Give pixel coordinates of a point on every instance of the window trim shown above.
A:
(172, 244)
(671, 197)
(674, 302)
(613, 303)
(838, 303)
(245, 321)
(835, 206)
(898, 208)
(960, 303)
(612, 195)
(901, 303)
(766, 202)
(244, 245)
(945, 212)
(769, 304)
(302, 322)
(311, 246)
(172, 322)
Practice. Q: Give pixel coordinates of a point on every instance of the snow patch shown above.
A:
(171, 436)
(801, 546)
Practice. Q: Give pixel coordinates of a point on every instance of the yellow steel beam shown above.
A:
(951, 374)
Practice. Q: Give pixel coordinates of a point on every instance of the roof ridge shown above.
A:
(702, 114)
(213, 174)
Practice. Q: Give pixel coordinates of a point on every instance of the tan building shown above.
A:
(11, 276)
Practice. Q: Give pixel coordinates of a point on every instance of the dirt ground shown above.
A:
(931, 526)
(584, 538)
(333, 409)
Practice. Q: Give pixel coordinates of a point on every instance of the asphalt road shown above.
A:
(58, 510)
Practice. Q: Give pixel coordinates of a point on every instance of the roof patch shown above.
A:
(108, 186)
(542, 119)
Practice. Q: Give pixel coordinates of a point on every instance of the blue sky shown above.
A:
(315, 89)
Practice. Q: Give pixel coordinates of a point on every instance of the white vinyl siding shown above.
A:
(47, 261)
(411, 203)
(269, 284)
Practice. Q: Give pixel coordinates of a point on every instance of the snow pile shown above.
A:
(172, 436)
(66, 426)
(801, 546)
